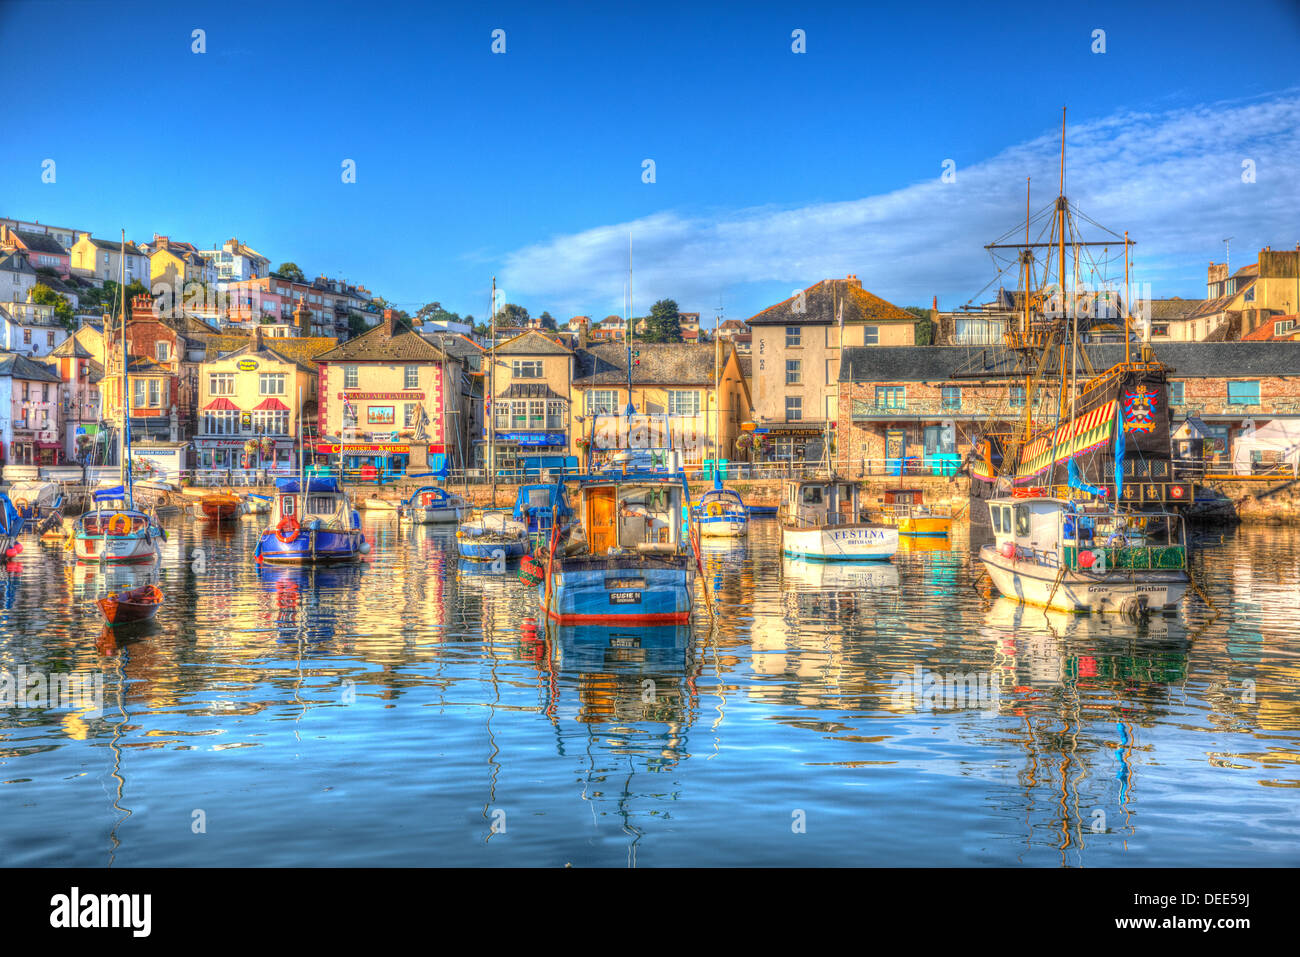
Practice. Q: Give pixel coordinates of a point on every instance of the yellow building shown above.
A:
(532, 378)
(382, 400)
(252, 393)
(698, 392)
(102, 259)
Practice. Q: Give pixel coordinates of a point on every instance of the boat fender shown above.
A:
(1133, 608)
(1008, 550)
(365, 546)
(1086, 559)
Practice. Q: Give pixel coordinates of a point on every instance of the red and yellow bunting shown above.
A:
(1082, 434)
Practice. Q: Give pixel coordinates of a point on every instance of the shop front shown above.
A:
(272, 453)
(795, 445)
(375, 461)
(532, 452)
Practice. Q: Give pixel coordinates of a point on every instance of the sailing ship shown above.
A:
(1092, 457)
(115, 530)
(821, 520)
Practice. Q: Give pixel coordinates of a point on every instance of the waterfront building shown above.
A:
(906, 404)
(796, 350)
(31, 418)
(532, 380)
(389, 398)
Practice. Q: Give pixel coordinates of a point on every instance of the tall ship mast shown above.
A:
(1085, 411)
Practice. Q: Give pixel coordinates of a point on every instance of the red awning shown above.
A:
(271, 405)
(221, 405)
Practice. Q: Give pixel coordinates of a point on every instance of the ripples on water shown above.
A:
(394, 712)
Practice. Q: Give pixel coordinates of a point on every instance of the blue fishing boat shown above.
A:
(721, 512)
(432, 505)
(540, 506)
(635, 564)
(492, 537)
(11, 526)
(312, 520)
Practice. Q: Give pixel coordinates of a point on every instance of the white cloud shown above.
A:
(1173, 179)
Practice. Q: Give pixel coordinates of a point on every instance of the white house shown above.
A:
(17, 275)
(30, 412)
(30, 328)
(235, 262)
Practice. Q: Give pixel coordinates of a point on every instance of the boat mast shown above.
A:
(1026, 259)
(627, 306)
(124, 456)
(1127, 314)
(492, 411)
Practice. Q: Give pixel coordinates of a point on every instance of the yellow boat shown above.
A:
(905, 508)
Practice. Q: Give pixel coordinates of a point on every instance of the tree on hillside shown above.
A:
(664, 324)
(547, 321)
(46, 296)
(291, 272)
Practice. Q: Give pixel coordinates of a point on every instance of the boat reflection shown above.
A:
(307, 599)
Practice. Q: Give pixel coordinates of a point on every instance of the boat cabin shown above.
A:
(1054, 530)
(811, 503)
(718, 501)
(316, 498)
(535, 505)
(633, 516)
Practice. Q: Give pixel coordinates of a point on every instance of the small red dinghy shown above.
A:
(127, 607)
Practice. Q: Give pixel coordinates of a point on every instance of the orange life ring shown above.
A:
(119, 524)
(287, 530)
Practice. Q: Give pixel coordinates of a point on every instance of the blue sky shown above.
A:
(773, 169)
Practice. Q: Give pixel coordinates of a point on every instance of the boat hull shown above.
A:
(131, 607)
(722, 527)
(929, 526)
(220, 508)
(116, 549)
(330, 545)
(614, 592)
(1121, 592)
(434, 515)
(840, 543)
(490, 551)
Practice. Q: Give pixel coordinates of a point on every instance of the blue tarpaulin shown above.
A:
(292, 486)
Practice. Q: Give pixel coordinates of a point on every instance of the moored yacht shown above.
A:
(821, 521)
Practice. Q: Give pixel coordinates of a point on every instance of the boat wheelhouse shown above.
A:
(821, 520)
(115, 531)
(432, 505)
(312, 520)
(1070, 556)
(635, 564)
(906, 510)
(540, 506)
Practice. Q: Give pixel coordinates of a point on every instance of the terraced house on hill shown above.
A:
(908, 404)
(796, 354)
(390, 398)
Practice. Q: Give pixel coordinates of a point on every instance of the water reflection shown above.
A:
(911, 720)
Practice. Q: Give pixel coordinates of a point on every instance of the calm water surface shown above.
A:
(395, 712)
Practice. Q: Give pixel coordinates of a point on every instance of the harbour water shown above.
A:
(398, 713)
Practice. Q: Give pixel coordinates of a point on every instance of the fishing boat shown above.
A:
(115, 531)
(432, 505)
(11, 526)
(906, 510)
(312, 520)
(37, 503)
(1067, 555)
(132, 606)
(821, 520)
(540, 506)
(721, 512)
(220, 506)
(492, 537)
(636, 563)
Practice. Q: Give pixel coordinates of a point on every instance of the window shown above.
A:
(349, 377)
(555, 414)
(526, 368)
(221, 383)
(683, 403)
(155, 394)
(1017, 397)
(951, 397)
(221, 423)
(27, 337)
(871, 335)
(1022, 520)
(138, 401)
(536, 413)
(270, 383)
(996, 514)
(602, 402)
(793, 408)
(1283, 326)
(812, 495)
(411, 377)
(1175, 393)
(793, 371)
(890, 397)
(271, 423)
(793, 338)
(1243, 393)
(162, 351)
(49, 338)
